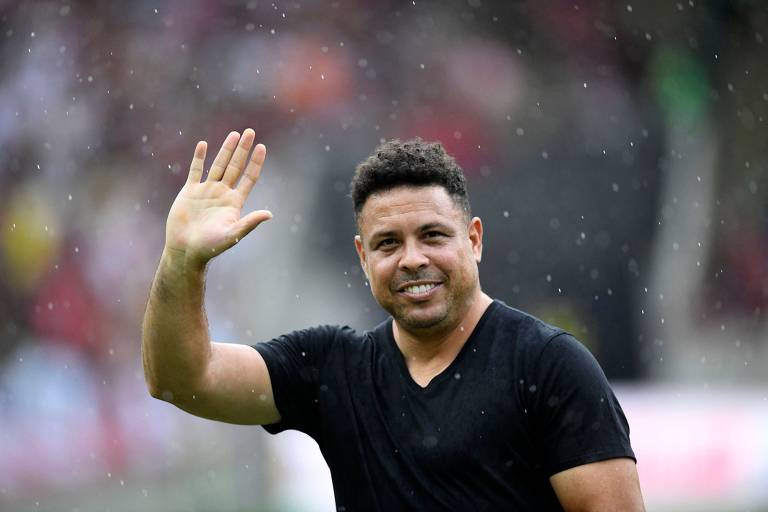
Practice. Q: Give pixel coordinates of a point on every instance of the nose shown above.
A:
(413, 258)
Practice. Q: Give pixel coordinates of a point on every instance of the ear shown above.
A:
(475, 234)
(361, 253)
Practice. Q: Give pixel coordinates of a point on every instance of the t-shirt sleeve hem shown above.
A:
(589, 458)
(280, 426)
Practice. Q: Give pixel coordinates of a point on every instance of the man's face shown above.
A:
(420, 256)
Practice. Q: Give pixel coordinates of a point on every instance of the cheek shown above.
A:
(379, 274)
(461, 264)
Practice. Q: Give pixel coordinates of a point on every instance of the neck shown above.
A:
(419, 348)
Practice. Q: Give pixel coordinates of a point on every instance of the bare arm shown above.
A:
(214, 380)
(607, 486)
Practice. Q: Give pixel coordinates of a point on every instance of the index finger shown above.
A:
(253, 171)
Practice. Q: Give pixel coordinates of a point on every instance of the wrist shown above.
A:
(182, 262)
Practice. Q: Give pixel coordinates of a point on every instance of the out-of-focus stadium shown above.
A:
(616, 152)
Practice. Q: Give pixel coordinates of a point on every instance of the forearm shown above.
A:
(175, 343)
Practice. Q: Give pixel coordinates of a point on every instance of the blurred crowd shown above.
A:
(566, 117)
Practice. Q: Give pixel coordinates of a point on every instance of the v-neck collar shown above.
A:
(448, 371)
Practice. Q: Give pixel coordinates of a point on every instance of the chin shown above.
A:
(421, 321)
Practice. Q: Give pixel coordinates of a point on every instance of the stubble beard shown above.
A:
(412, 321)
(455, 304)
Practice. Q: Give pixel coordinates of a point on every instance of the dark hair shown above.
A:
(413, 162)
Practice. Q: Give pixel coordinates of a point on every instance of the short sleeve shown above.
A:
(577, 416)
(294, 362)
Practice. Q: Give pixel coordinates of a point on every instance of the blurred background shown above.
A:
(616, 152)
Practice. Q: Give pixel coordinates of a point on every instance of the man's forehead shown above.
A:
(406, 196)
(420, 204)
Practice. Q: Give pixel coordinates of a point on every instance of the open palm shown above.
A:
(205, 219)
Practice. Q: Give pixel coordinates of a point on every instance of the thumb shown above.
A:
(249, 222)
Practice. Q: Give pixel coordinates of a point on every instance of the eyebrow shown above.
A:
(425, 227)
(433, 225)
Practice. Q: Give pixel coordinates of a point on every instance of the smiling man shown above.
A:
(456, 402)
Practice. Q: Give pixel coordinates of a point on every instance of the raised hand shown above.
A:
(205, 219)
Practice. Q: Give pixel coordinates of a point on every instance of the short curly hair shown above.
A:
(413, 162)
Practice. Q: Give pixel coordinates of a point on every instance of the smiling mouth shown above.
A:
(419, 289)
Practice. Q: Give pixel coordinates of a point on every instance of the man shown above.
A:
(457, 402)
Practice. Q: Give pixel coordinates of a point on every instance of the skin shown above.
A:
(418, 235)
(220, 381)
(407, 236)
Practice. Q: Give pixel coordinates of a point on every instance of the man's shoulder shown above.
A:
(329, 336)
(324, 333)
(525, 326)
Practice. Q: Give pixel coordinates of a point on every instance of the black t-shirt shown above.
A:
(521, 402)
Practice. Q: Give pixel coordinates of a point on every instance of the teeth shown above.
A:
(418, 289)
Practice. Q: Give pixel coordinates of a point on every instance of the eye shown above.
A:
(433, 234)
(385, 243)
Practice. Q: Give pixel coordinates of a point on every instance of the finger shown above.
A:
(222, 159)
(239, 159)
(249, 222)
(253, 171)
(198, 161)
